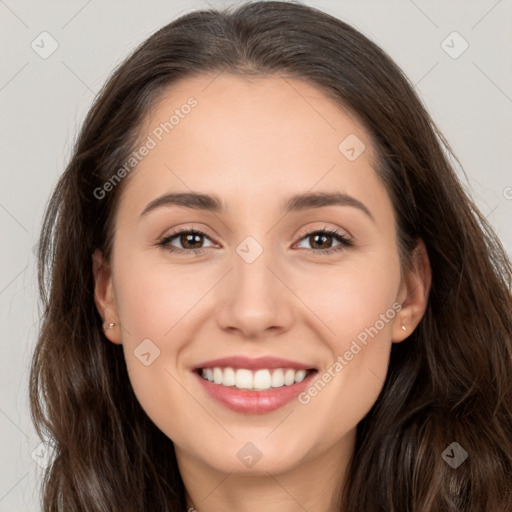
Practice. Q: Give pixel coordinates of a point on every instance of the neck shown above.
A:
(312, 484)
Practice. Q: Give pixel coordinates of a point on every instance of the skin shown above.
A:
(254, 143)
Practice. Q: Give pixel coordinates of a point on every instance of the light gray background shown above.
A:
(43, 102)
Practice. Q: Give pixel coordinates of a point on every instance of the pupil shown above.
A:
(322, 237)
(189, 239)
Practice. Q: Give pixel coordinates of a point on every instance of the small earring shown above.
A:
(404, 328)
(109, 326)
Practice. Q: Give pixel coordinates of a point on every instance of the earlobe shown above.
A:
(104, 297)
(414, 294)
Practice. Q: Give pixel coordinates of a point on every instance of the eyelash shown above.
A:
(344, 241)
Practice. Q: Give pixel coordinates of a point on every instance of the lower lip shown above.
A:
(254, 402)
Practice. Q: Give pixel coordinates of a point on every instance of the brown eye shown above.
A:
(190, 240)
(321, 240)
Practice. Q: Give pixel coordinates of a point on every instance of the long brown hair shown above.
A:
(450, 381)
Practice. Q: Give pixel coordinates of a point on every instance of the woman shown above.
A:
(200, 350)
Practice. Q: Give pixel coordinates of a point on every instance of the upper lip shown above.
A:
(258, 363)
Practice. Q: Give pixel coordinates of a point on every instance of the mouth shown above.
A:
(253, 385)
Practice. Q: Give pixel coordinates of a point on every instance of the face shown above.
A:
(313, 282)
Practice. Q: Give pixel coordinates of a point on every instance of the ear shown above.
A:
(413, 294)
(104, 296)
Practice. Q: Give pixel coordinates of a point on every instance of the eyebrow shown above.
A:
(299, 202)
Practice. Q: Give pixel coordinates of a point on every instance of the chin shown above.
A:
(253, 458)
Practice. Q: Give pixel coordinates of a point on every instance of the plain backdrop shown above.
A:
(43, 99)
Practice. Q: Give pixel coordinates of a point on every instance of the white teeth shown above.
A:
(217, 375)
(300, 375)
(277, 378)
(259, 380)
(229, 378)
(243, 379)
(289, 377)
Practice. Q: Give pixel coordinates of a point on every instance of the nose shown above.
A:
(254, 300)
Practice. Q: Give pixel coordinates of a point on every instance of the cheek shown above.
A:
(356, 304)
(157, 304)
(153, 298)
(353, 296)
(152, 303)
(163, 398)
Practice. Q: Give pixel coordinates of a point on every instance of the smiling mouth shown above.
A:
(253, 380)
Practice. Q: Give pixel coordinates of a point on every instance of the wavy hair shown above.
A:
(451, 380)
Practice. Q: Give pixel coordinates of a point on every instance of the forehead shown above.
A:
(260, 138)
